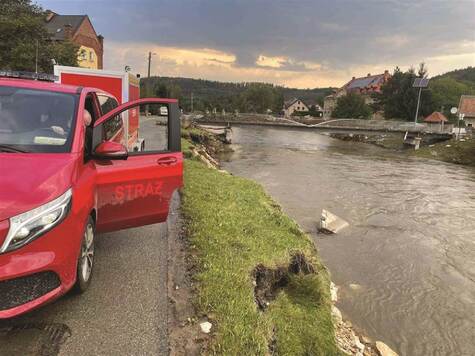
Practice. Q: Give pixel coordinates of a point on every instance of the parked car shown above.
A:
(64, 179)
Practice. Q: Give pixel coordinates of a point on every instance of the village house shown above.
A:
(294, 105)
(467, 108)
(437, 122)
(79, 30)
(365, 86)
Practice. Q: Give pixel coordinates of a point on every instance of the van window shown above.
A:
(107, 103)
(112, 128)
(37, 120)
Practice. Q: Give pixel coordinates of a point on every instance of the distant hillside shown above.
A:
(447, 88)
(209, 94)
(465, 76)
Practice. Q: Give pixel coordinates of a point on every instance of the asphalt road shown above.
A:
(124, 312)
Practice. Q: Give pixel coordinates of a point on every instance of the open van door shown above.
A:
(135, 188)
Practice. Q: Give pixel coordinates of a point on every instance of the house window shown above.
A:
(91, 56)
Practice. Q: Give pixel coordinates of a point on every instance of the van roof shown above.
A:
(41, 85)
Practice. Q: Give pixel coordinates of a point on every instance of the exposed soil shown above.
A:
(269, 282)
(214, 144)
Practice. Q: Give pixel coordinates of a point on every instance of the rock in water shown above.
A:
(333, 292)
(331, 223)
(384, 350)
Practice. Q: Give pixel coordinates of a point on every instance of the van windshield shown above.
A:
(38, 121)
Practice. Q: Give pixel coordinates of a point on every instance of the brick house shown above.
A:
(79, 30)
(365, 86)
(294, 105)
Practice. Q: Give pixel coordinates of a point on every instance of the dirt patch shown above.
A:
(185, 336)
(269, 282)
(45, 339)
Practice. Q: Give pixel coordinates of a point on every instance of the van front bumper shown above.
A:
(41, 271)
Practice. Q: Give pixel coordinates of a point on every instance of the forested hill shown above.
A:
(465, 76)
(447, 88)
(229, 96)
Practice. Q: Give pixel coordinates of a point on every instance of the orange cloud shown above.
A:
(212, 64)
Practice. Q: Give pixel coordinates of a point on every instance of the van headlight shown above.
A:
(26, 227)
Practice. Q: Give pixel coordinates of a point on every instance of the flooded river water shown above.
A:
(406, 265)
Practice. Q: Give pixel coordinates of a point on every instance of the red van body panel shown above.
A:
(118, 194)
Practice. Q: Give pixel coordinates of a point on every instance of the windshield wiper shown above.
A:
(9, 148)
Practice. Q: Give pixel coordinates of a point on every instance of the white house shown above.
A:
(294, 105)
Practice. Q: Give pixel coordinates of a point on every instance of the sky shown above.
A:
(302, 44)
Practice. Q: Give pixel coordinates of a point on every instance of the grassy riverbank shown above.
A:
(252, 282)
(452, 151)
(458, 152)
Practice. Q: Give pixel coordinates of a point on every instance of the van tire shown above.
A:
(85, 264)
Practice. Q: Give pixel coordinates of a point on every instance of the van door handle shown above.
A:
(167, 161)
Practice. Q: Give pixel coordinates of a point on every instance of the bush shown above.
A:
(351, 106)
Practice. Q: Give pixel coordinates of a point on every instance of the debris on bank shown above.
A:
(225, 133)
(349, 341)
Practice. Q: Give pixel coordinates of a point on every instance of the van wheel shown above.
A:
(86, 258)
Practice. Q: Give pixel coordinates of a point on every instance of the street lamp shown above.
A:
(419, 83)
(150, 54)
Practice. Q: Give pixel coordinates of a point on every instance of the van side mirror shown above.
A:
(111, 150)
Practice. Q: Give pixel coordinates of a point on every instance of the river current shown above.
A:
(405, 267)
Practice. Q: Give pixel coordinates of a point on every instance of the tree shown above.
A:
(313, 111)
(398, 98)
(22, 31)
(446, 93)
(259, 98)
(163, 90)
(351, 106)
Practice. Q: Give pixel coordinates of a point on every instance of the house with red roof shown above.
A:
(438, 122)
(467, 108)
(365, 86)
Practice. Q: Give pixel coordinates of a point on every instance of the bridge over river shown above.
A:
(330, 126)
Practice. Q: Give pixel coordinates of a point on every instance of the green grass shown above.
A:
(233, 226)
(459, 152)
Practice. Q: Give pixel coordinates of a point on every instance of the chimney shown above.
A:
(68, 31)
(353, 78)
(369, 75)
(101, 40)
(49, 15)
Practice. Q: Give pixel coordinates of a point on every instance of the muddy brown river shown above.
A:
(406, 265)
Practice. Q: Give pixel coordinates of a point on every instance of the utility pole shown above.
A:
(149, 62)
(36, 57)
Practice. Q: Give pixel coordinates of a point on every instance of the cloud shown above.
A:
(398, 41)
(306, 42)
